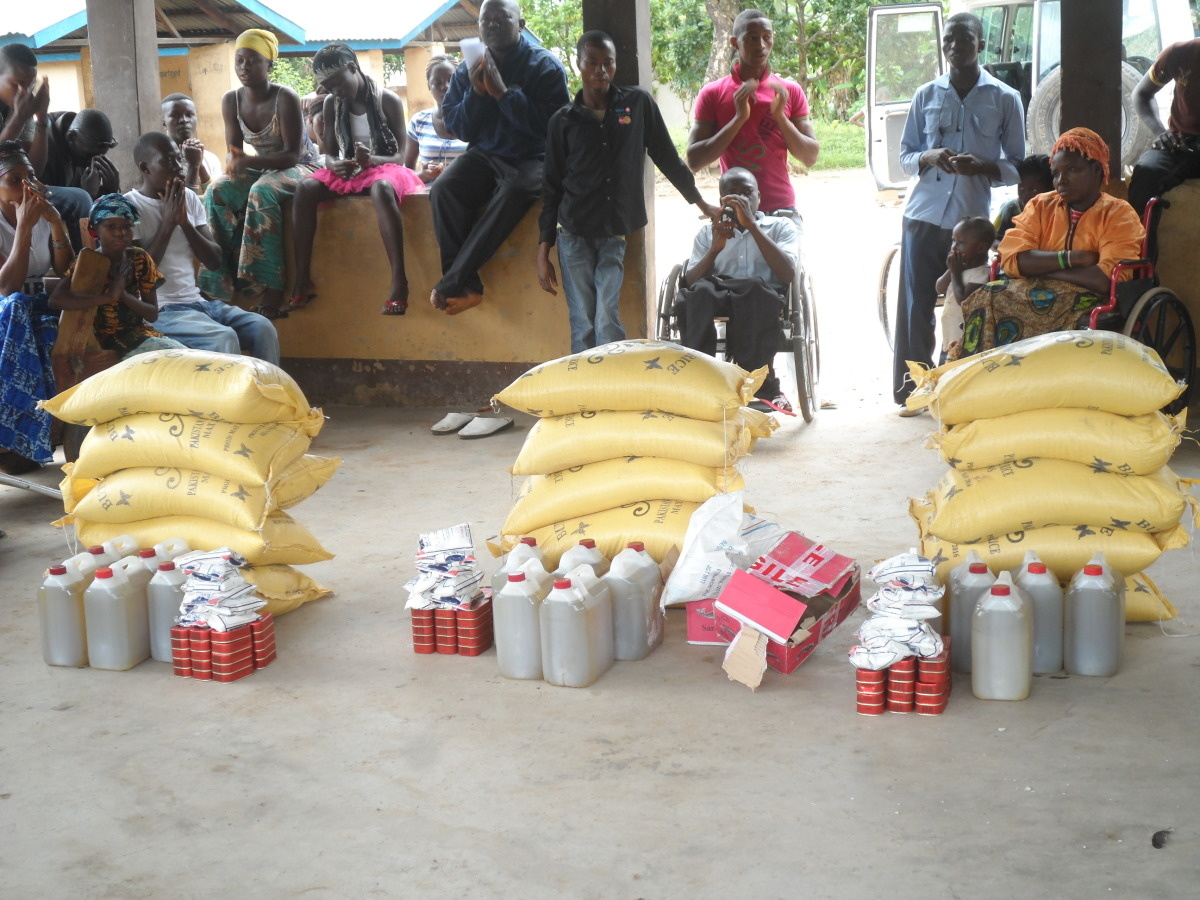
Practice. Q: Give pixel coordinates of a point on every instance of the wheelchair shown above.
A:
(798, 318)
(1139, 308)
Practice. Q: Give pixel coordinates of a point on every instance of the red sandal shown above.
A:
(394, 308)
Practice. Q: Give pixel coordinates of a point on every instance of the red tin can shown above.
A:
(870, 709)
(870, 676)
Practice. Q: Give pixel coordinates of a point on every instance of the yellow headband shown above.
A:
(259, 41)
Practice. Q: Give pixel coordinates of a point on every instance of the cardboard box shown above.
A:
(702, 623)
(793, 627)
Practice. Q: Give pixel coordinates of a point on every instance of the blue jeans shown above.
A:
(220, 327)
(592, 272)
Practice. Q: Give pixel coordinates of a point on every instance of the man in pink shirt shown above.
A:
(753, 118)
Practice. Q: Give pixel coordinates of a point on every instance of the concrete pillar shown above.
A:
(416, 88)
(211, 71)
(124, 41)
(372, 64)
(628, 22)
(1091, 85)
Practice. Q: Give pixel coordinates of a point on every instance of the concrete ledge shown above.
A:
(397, 382)
(343, 350)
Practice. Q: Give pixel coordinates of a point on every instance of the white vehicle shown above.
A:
(1022, 43)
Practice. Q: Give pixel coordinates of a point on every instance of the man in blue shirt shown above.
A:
(501, 106)
(965, 132)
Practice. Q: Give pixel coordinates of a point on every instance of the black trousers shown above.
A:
(923, 251)
(476, 204)
(1157, 171)
(753, 333)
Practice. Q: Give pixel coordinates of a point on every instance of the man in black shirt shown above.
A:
(592, 190)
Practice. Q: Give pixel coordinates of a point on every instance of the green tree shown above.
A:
(683, 40)
(295, 72)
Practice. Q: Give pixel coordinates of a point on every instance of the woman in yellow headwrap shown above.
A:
(245, 205)
(1059, 255)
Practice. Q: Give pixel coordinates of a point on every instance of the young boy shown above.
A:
(1035, 178)
(592, 190)
(130, 298)
(174, 229)
(180, 121)
(966, 272)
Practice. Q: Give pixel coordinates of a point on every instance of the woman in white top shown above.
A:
(32, 238)
(364, 152)
(428, 152)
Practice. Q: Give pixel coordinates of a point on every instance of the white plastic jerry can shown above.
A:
(60, 615)
(526, 550)
(577, 630)
(164, 596)
(636, 584)
(516, 611)
(585, 552)
(118, 626)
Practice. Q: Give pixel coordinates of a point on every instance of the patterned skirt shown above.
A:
(27, 332)
(1012, 309)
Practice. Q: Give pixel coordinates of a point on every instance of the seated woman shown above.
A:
(245, 205)
(1059, 254)
(364, 149)
(32, 237)
(428, 152)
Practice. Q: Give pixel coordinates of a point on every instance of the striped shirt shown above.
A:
(431, 148)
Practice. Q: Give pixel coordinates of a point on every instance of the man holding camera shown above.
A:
(741, 268)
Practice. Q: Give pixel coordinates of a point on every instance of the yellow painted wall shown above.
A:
(66, 83)
(415, 61)
(210, 70)
(517, 321)
(174, 75)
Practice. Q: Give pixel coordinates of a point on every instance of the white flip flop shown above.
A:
(483, 427)
(452, 422)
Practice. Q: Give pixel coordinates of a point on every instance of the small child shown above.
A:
(1035, 178)
(131, 298)
(966, 272)
(592, 190)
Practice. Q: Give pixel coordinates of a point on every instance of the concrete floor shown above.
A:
(353, 767)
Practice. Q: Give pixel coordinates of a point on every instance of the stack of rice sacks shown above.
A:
(204, 446)
(1056, 444)
(631, 438)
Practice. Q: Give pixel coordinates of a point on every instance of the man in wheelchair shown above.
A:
(740, 269)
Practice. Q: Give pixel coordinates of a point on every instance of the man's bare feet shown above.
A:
(455, 305)
(438, 301)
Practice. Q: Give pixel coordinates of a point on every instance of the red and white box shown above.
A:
(701, 620)
(793, 627)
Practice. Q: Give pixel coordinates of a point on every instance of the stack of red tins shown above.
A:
(911, 685)
(467, 632)
(933, 683)
(225, 656)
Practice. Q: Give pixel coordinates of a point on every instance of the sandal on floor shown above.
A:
(481, 427)
(451, 423)
(271, 312)
(299, 301)
(394, 308)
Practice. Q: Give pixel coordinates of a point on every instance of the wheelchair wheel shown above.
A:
(889, 288)
(805, 346)
(666, 328)
(1161, 322)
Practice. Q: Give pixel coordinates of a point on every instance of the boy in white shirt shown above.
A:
(173, 228)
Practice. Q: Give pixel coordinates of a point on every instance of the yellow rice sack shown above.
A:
(1144, 602)
(281, 541)
(252, 453)
(1062, 548)
(283, 587)
(1034, 493)
(1130, 445)
(634, 375)
(131, 495)
(583, 490)
(197, 383)
(578, 439)
(659, 524)
(1076, 369)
